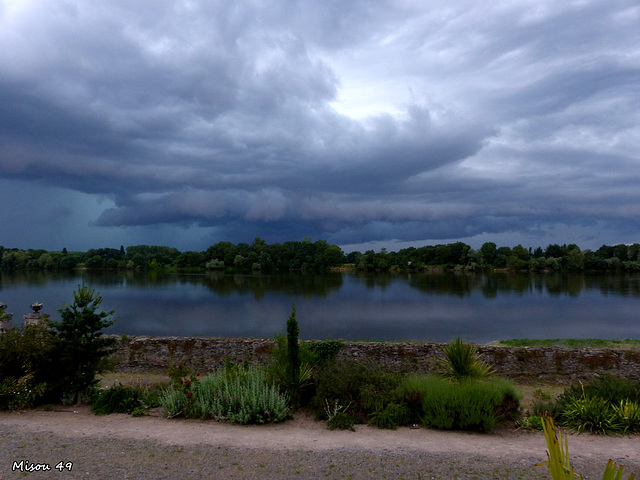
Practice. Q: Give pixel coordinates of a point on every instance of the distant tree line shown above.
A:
(319, 256)
(302, 255)
(461, 257)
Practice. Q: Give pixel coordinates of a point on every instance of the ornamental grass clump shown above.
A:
(607, 404)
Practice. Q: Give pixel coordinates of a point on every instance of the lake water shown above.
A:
(420, 307)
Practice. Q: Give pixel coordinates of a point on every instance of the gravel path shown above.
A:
(122, 447)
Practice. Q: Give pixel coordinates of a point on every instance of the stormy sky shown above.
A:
(366, 123)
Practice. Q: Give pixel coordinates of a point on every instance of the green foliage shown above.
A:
(30, 350)
(608, 387)
(116, 399)
(391, 416)
(531, 422)
(570, 343)
(337, 416)
(628, 414)
(463, 361)
(542, 404)
(350, 383)
(591, 414)
(325, 351)
(81, 348)
(319, 256)
(290, 366)
(341, 421)
(292, 369)
(239, 396)
(20, 393)
(607, 404)
(558, 462)
(466, 405)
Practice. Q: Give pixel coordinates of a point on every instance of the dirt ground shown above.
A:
(153, 447)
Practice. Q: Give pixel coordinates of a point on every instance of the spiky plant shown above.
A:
(462, 360)
(558, 461)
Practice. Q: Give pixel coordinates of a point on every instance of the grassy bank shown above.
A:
(570, 343)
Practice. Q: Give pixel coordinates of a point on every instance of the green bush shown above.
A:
(341, 421)
(542, 404)
(467, 405)
(323, 352)
(350, 383)
(116, 399)
(17, 394)
(243, 397)
(392, 416)
(29, 352)
(608, 387)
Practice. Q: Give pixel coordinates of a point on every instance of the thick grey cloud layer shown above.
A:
(190, 122)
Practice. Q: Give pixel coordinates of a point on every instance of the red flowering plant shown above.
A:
(182, 380)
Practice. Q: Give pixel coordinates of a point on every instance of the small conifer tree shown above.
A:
(81, 347)
(293, 356)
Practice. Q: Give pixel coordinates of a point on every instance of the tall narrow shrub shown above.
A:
(290, 365)
(293, 356)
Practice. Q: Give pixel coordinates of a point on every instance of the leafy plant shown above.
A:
(591, 414)
(332, 411)
(542, 404)
(606, 404)
(608, 387)
(392, 416)
(365, 389)
(16, 394)
(341, 421)
(466, 405)
(462, 360)
(531, 422)
(628, 414)
(244, 396)
(558, 462)
(324, 351)
(29, 351)
(116, 399)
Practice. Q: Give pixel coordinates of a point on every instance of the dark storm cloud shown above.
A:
(353, 122)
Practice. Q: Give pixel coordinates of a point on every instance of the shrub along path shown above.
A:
(120, 446)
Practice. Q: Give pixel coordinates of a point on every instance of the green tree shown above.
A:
(81, 346)
(488, 250)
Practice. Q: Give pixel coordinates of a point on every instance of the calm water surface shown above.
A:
(436, 307)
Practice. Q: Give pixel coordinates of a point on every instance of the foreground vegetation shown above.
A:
(558, 461)
(55, 361)
(319, 256)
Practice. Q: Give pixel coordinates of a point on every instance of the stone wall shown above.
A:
(546, 364)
